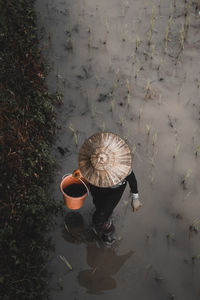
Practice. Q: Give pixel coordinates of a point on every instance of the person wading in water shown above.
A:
(105, 162)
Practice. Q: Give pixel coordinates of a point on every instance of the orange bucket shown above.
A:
(70, 201)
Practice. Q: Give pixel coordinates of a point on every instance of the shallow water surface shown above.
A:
(130, 67)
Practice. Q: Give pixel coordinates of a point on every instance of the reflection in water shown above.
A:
(104, 262)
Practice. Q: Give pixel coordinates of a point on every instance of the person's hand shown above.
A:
(77, 174)
(135, 203)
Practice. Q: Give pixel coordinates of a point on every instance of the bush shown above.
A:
(27, 126)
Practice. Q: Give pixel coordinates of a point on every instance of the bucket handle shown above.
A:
(85, 185)
(67, 174)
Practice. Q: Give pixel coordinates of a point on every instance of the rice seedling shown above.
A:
(152, 162)
(94, 270)
(133, 149)
(186, 178)
(152, 51)
(93, 110)
(167, 30)
(60, 283)
(140, 113)
(113, 102)
(95, 232)
(124, 32)
(170, 236)
(187, 8)
(128, 86)
(125, 5)
(128, 91)
(126, 137)
(148, 127)
(171, 9)
(153, 18)
(107, 26)
(148, 89)
(96, 78)
(195, 258)
(176, 150)
(197, 151)
(116, 81)
(137, 43)
(103, 127)
(152, 177)
(126, 207)
(182, 36)
(175, 2)
(63, 258)
(158, 278)
(89, 37)
(187, 195)
(155, 138)
(133, 57)
(122, 121)
(160, 64)
(128, 99)
(137, 71)
(75, 135)
(194, 226)
(148, 237)
(66, 227)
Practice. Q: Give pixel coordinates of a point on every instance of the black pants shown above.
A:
(105, 200)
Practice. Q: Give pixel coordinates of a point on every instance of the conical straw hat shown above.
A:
(104, 159)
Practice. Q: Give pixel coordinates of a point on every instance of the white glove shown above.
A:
(135, 203)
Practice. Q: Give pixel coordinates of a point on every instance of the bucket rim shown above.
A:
(68, 175)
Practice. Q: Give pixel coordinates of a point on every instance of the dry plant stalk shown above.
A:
(137, 43)
(148, 127)
(113, 102)
(66, 262)
(103, 127)
(148, 89)
(176, 151)
(140, 113)
(74, 133)
(133, 150)
(167, 30)
(197, 151)
(153, 18)
(185, 178)
(155, 138)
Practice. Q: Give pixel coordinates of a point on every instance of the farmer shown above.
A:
(105, 162)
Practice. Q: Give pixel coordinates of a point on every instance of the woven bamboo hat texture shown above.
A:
(104, 159)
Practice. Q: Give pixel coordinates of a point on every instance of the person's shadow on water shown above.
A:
(104, 262)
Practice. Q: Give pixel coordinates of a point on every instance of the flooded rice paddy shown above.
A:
(132, 68)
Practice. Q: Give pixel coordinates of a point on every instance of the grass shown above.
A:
(27, 125)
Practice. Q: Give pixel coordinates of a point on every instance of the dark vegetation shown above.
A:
(27, 127)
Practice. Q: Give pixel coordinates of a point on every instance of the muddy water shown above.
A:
(120, 68)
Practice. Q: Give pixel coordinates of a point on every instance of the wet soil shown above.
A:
(75, 190)
(132, 68)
